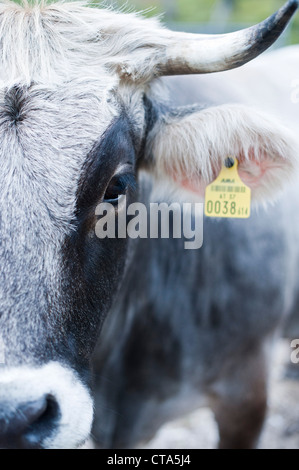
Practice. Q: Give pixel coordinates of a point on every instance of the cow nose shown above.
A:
(27, 425)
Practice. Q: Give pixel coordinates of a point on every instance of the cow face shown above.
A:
(78, 119)
(63, 152)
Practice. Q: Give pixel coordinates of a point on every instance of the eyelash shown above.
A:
(119, 185)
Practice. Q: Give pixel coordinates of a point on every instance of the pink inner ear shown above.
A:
(194, 186)
(253, 169)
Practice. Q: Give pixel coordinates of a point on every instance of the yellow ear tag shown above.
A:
(228, 196)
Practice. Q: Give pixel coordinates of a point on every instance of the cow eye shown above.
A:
(117, 188)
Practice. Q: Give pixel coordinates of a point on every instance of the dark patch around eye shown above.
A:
(116, 147)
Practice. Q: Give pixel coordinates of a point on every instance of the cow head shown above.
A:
(80, 115)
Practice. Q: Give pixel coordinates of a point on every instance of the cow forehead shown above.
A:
(75, 105)
(45, 138)
(46, 135)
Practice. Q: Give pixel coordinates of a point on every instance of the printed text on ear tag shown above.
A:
(228, 196)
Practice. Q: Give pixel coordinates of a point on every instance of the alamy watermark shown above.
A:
(156, 220)
(295, 353)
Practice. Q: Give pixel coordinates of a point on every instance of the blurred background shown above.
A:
(210, 16)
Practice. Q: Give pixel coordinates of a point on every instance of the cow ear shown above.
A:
(189, 149)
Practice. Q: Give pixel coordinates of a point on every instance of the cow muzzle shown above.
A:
(46, 407)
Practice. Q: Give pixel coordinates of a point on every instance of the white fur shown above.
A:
(26, 384)
(53, 42)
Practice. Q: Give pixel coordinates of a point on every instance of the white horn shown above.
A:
(203, 53)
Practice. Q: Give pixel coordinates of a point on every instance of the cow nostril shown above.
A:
(29, 424)
(43, 420)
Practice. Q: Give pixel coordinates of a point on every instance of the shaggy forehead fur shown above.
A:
(46, 135)
(43, 131)
(48, 43)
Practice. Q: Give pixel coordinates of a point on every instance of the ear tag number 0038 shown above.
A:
(228, 197)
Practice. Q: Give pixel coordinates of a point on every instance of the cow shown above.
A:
(116, 335)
